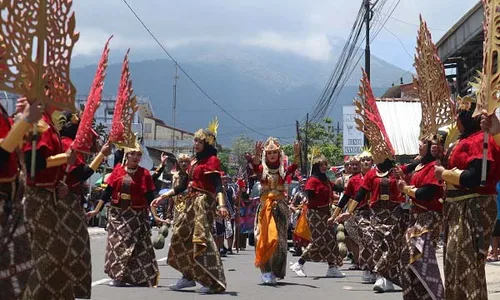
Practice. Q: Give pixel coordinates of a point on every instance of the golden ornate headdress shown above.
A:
(272, 144)
(208, 135)
(365, 152)
(316, 156)
(136, 146)
(438, 109)
(61, 119)
(183, 157)
(452, 134)
(370, 122)
(465, 103)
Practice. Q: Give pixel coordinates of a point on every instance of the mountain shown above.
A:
(264, 89)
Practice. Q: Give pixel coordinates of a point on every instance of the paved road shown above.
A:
(243, 281)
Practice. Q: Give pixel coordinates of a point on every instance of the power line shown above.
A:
(336, 91)
(187, 75)
(260, 128)
(250, 110)
(399, 40)
(415, 25)
(345, 57)
(337, 80)
(361, 55)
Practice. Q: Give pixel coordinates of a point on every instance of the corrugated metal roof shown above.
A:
(402, 122)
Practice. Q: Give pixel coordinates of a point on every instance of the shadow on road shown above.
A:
(226, 293)
(284, 283)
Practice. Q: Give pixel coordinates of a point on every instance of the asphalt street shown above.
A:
(243, 281)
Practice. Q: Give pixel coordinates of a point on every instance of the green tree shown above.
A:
(242, 144)
(223, 155)
(321, 134)
(288, 149)
(100, 129)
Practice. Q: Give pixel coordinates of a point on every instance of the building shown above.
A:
(104, 114)
(402, 91)
(159, 135)
(461, 49)
(155, 134)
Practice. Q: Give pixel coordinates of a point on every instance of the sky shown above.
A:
(302, 27)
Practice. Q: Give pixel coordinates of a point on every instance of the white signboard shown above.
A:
(353, 138)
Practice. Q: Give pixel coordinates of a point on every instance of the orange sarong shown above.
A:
(268, 239)
(302, 229)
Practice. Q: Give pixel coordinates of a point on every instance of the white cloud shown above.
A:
(178, 42)
(92, 41)
(315, 46)
(298, 26)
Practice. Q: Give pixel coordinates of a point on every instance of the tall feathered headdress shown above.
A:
(315, 157)
(365, 153)
(438, 110)
(208, 135)
(126, 105)
(84, 137)
(134, 146)
(370, 122)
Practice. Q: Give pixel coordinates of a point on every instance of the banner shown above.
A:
(353, 139)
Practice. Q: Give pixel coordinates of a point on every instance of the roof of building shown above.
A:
(405, 90)
(165, 144)
(145, 109)
(401, 119)
(160, 122)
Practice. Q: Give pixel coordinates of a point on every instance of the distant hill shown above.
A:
(265, 89)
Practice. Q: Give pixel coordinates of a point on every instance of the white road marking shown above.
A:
(104, 280)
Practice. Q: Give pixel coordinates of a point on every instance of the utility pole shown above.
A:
(299, 139)
(337, 136)
(368, 16)
(174, 105)
(307, 146)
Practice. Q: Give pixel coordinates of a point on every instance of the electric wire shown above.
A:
(324, 106)
(187, 75)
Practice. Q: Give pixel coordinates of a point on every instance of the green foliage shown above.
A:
(241, 145)
(233, 159)
(288, 149)
(223, 155)
(100, 129)
(323, 135)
